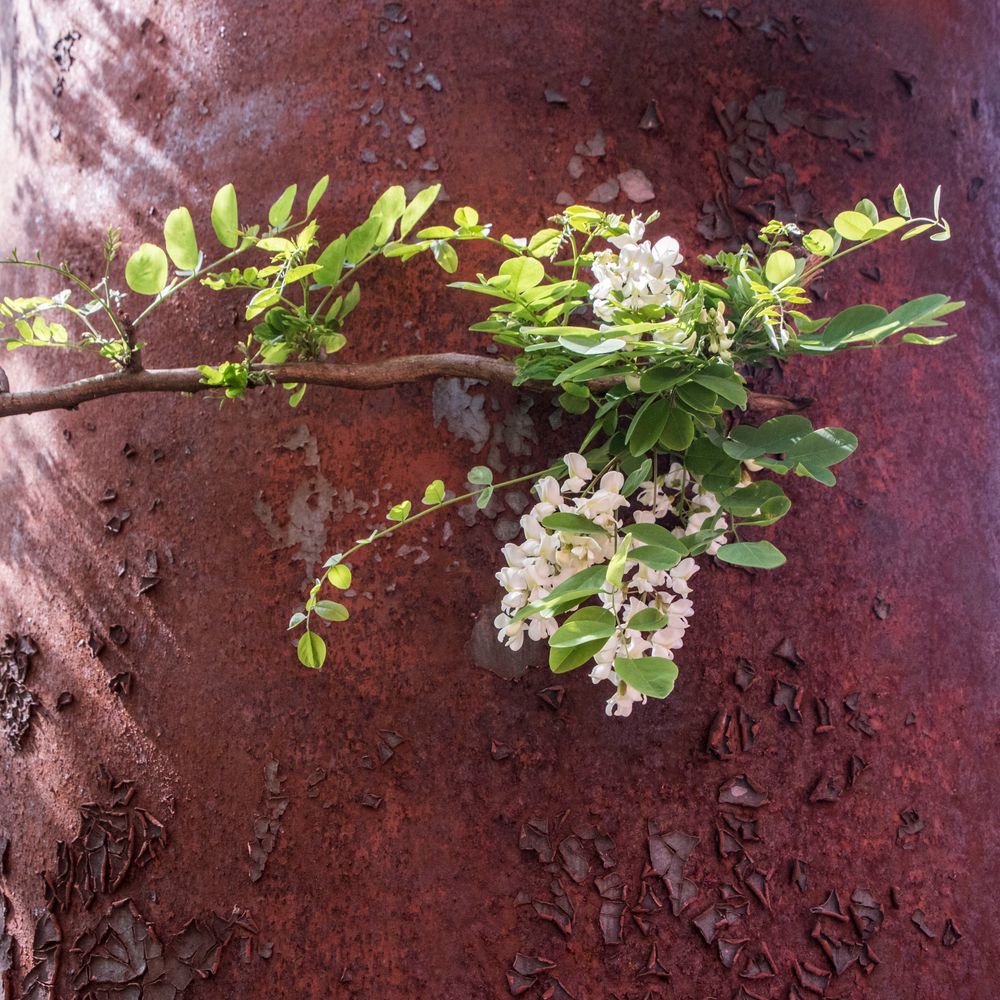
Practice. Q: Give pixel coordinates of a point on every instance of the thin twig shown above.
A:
(370, 375)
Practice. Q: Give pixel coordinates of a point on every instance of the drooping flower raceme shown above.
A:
(639, 275)
(549, 557)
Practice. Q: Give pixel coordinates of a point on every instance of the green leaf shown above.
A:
(647, 425)
(707, 460)
(562, 659)
(647, 620)
(417, 208)
(745, 501)
(146, 270)
(466, 217)
(524, 272)
(759, 555)
(388, 209)
(661, 377)
(616, 565)
(698, 398)
(296, 397)
(445, 255)
(361, 239)
(483, 497)
(917, 338)
(331, 611)
(311, 650)
(730, 389)
(331, 262)
(180, 239)
(656, 557)
(636, 477)
(296, 620)
(655, 535)
(867, 208)
(575, 524)
(822, 448)
(818, 242)
(570, 592)
(917, 230)
(780, 267)
(317, 192)
(651, 675)
(281, 211)
(225, 217)
(585, 626)
(399, 511)
(480, 475)
(678, 431)
(771, 438)
(340, 576)
(852, 225)
(434, 493)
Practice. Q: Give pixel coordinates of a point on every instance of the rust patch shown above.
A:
(17, 703)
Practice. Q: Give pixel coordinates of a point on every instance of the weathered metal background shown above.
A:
(889, 595)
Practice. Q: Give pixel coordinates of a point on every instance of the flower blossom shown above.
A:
(638, 275)
(545, 559)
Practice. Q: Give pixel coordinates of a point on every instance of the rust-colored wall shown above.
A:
(429, 895)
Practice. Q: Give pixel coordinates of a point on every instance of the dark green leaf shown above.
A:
(584, 626)
(575, 524)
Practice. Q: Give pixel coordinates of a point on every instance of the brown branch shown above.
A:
(371, 375)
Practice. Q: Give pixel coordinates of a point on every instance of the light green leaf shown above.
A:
(331, 611)
(417, 208)
(656, 536)
(399, 511)
(780, 267)
(340, 576)
(466, 217)
(483, 497)
(225, 216)
(180, 239)
(759, 555)
(656, 557)
(388, 209)
(651, 675)
(361, 239)
(480, 475)
(146, 270)
(570, 592)
(434, 493)
(445, 255)
(524, 272)
(281, 211)
(900, 202)
(311, 650)
(616, 565)
(818, 242)
(317, 192)
(852, 225)
(296, 620)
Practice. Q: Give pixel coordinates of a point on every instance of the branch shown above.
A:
(371, 375)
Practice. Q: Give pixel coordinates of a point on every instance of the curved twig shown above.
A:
(369, 375)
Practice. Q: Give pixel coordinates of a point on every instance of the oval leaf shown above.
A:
(652, 675)
(311, 650)
(180, 239)
(281, 211)
(852, 225)
(586, 626)
(759, 555)
(146, 270)
(780, 267)
(225, 216)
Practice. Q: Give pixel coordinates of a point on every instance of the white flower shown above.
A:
(579, 472)
(637, 276)
(621, 702)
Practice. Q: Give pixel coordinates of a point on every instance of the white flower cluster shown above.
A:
(638, 275)
(546, 559)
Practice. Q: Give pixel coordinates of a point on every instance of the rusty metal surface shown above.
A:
(416, 821)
